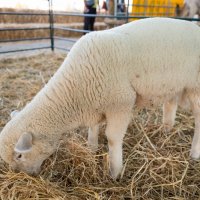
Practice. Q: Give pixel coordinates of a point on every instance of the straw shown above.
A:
(156, 164)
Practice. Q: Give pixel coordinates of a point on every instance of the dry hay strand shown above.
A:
(156, 164)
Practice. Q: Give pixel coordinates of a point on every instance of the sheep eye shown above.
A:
(18, 157)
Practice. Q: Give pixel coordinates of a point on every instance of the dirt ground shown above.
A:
(156, 164)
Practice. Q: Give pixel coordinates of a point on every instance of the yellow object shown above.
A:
(163, 8)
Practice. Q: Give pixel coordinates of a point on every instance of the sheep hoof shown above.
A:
(115, 173)
(167, 128)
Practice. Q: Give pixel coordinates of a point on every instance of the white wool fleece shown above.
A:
(106, 73)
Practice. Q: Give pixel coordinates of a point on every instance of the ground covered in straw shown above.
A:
(156, 164)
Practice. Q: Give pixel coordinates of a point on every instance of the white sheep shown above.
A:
(106, 73)
(190, 8)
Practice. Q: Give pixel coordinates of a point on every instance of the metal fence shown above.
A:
(24, 29)
(52, 27)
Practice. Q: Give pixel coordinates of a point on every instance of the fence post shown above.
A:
(51, 24)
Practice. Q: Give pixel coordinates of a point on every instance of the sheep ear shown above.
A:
(14, 113)
(24, 143)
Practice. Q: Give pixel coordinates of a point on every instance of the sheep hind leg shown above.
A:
(117, 124)
(169, 114)
(194, 99)
(93, 133)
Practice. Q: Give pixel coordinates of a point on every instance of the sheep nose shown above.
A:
(33, 172)
(37, 171)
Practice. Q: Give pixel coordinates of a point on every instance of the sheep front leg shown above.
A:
(169, 114)
(93, 133)
(117, 124)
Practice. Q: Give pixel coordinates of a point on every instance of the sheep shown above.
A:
(190, 9)
(147, 62)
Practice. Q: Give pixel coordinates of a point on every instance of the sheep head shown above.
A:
(22, 150)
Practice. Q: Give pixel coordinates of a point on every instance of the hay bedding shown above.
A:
(156, 165)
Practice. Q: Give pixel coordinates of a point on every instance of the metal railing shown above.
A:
(24, 29)
(52, 27)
